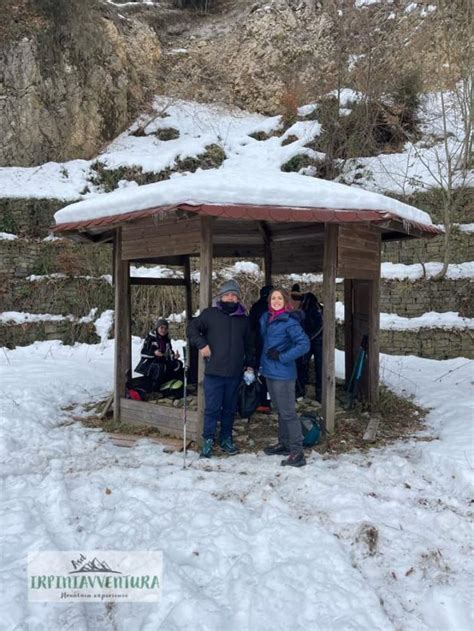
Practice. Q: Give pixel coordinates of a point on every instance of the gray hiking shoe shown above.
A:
(295, 459)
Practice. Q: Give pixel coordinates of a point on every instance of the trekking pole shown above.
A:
(357, 372)
(185, 402)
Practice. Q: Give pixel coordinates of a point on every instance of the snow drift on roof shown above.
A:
(238, 186)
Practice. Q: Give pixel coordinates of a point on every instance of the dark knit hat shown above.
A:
(296, 292)
(229, 287)
(161, 322)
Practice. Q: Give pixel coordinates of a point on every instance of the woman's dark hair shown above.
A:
(286, 297)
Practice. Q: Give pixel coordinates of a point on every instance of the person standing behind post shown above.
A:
(256, 311)
(222, 335)
(313, 327)
(284, 340)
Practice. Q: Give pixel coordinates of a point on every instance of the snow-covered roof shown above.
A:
(228, 186)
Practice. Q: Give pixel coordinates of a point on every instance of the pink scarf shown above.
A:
(274, 314)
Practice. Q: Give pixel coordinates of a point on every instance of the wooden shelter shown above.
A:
(335, 241)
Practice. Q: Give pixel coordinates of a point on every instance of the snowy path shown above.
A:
(358, 542)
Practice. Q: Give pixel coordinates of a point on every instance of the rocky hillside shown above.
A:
(72, 76)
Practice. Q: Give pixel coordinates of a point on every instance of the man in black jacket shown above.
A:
(223, 336)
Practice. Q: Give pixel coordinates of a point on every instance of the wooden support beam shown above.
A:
(191, 353)
(205, 296)
(188, 285)
(373, 359)
(329, 326)
(122, 327)
(348, 330)
(164, 282)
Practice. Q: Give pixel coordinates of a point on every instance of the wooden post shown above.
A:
(123, 340)
(205, 290)
(348, 329)
(267, 251)
(329, 326)
(188, 285)
(191, 352)
(373, 338)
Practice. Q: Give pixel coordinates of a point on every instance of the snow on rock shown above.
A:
(429, 320)
(21, 317)
(399, 271)
(7, 236)
(466, 227)
(154, 271)
(103, 324)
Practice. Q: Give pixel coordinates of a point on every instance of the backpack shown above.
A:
(138, 388)
(313, 315)
(311, 428)
(248, 398)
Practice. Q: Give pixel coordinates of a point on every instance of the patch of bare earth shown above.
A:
(399, 419)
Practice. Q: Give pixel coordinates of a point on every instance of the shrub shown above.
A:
(406, 96)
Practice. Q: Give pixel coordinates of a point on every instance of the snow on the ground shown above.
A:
(51, 180)
(247, 545)
(199, 125)
(465, 227)
(7, 236)
(423, 164)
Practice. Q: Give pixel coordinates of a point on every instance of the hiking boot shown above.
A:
(207, 445)
(227, 445)
(276, 450)
(295, 459)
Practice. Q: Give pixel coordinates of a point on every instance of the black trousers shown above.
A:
(302, 365)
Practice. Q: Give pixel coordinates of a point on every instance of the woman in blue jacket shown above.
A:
(283, 342)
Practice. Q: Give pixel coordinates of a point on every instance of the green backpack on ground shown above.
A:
(311, 428)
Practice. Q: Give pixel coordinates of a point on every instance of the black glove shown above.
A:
(273, 353)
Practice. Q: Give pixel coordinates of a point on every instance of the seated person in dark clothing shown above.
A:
(158, 360)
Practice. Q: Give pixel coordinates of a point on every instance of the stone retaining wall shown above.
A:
(12, 335)
(23, 257)
(430, 343)
(426, 250)
(28, 217)
(410, 299)
(59, 296)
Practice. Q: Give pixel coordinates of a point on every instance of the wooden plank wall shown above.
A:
(152, 237)
(168, 420)
(358, 252)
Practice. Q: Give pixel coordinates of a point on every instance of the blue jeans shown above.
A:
(220, 403)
